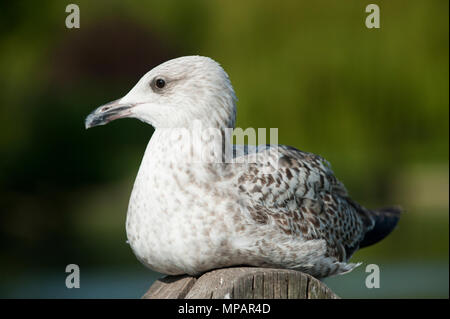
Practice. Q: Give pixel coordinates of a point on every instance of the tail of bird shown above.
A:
(385, 221)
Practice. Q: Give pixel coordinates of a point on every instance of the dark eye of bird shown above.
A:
(160, 83)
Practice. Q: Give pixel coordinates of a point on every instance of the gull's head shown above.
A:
(175, 94)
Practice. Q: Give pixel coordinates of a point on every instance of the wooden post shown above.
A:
(241, 283)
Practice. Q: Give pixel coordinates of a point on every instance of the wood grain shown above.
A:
(241, 283)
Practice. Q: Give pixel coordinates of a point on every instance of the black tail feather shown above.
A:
(385, 221)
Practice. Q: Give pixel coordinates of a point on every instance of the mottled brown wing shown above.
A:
(304, 199)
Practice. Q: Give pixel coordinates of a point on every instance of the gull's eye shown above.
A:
(157, 84)
(160, 83)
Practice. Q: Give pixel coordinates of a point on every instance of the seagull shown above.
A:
(264, 206)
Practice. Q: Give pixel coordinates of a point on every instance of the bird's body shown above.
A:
(272, 206)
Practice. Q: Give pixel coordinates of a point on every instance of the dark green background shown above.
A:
(374, 102)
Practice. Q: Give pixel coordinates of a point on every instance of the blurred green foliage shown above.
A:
(373, 102)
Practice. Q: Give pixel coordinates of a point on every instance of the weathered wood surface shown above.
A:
(241, 283)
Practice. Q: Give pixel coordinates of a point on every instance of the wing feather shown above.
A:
(299, 193)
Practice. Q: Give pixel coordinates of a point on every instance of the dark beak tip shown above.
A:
(88, 122)
(103, 115)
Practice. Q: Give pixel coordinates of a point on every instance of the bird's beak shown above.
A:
(109, 112)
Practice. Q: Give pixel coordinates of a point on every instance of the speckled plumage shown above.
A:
(190, 216)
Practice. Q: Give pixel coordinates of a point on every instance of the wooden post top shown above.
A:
(241, 283)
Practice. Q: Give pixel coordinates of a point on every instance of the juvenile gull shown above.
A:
(187, 216)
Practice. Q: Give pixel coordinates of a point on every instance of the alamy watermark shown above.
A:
(73, 19)
(373, 19)
(198, 144)
(373, 279)
(73, 279)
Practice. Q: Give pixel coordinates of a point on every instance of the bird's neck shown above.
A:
(191, 145)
